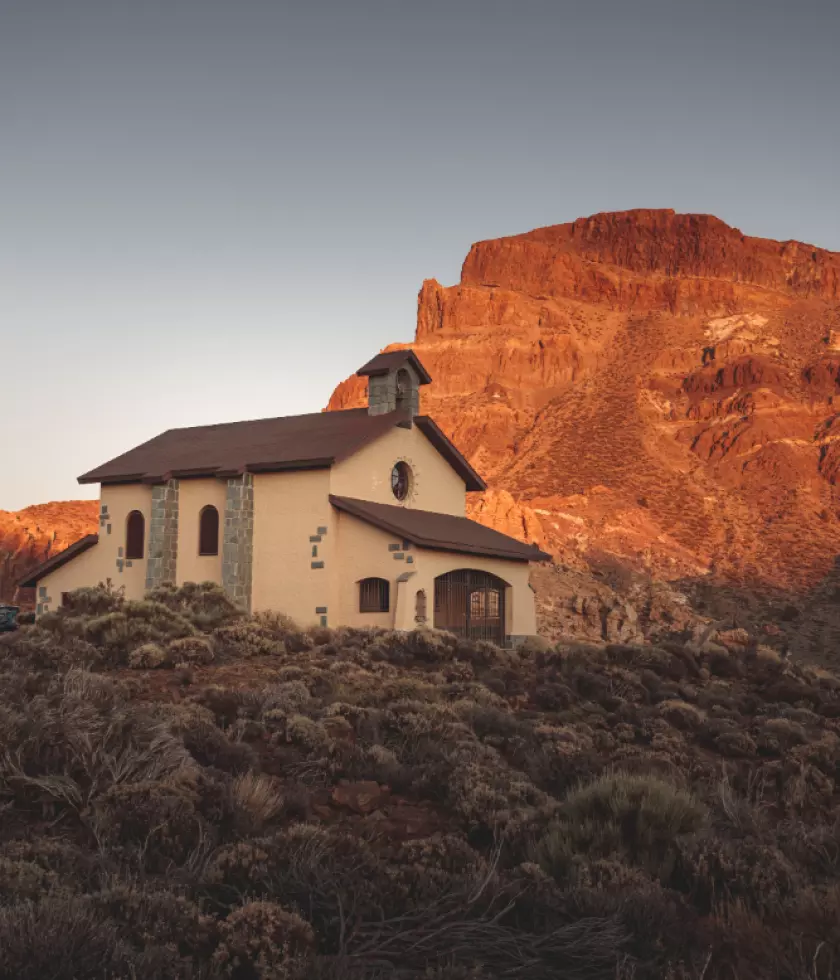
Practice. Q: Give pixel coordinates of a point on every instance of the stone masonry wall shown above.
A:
(162, 554)
(238, 539)
(382, 393)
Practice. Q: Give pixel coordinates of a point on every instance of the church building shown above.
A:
(352, 518)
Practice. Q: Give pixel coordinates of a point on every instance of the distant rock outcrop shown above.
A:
(29, 536)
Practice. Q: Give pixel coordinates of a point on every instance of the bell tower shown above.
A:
(394, 381)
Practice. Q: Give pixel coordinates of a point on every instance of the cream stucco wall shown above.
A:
(106, 559)
(289, 508)
(81, 571)
(293, 516)
(363, 552)
(367, 474)
(193, 495)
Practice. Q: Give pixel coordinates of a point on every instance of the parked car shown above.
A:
(8, 618)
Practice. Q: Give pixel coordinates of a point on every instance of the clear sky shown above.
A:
(214, 210)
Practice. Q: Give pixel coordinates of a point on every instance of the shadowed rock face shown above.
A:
(649, 385)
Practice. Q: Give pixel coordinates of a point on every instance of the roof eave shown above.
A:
(450, 452)
(94, 477)
(216, 472)
(478, 552)
(71, 552)
(430, 545)
(322, 463)
(366, 371)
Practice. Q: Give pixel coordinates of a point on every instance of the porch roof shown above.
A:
(440, 532)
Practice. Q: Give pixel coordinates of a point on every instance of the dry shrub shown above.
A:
(24, 881)
(263, 939)
(148, 656)
(290, 695)
(277, 622)
(735, 744)
(163, 803)
(422, 645)
(64, 862)
(533, 645)
(94, 601)
(248, 638)
(77, 739)
(321, 635)
(149, 917)
(681, 714)
(190, 650)
(205, 604)
(60, 937)
(484, 790)
(636, 817)
(256, 800)
(40, 648)
(305, 732)
(157, 819)
(207, 744)
(335, 876)
(788, 733)
(295, 639)
(134, 624)
(711, 869)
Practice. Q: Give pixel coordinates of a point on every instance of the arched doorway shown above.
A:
(471, 604)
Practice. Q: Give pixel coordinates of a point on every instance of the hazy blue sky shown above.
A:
(217, 210)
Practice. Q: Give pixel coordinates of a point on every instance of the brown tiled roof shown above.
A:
(51, 564)
(292, 442)
(295, 442)
(393, 361)
(442, 532)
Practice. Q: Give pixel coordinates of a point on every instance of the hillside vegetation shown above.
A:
(187, 792)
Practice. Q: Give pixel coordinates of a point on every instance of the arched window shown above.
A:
(135, 535)
(374, 595)
(208, 531)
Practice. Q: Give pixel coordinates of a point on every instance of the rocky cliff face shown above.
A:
(29, 536)
(647, 385)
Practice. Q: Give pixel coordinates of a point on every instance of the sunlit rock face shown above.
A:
(649, 385)
(29, 536)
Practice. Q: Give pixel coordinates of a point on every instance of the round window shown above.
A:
(401, 480)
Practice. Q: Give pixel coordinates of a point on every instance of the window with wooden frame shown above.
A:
(374, 595)
(208, 531)
(135, 535)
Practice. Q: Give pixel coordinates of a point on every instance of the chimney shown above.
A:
(394, 381)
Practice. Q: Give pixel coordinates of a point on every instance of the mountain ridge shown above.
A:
(621, 399)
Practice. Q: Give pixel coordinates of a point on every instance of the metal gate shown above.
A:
(471, 604)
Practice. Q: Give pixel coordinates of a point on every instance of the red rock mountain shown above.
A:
(29, 536)
(648, 385)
